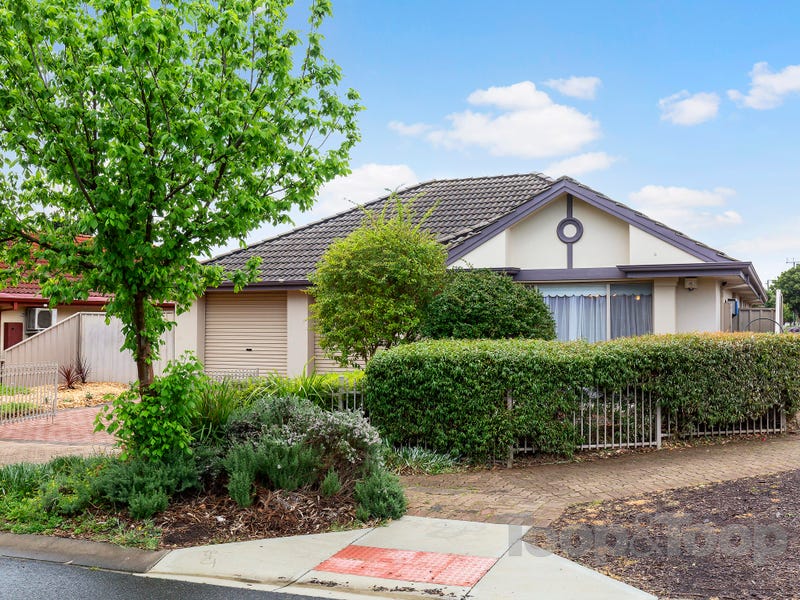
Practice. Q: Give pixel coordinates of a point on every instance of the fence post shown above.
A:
(510, 407)
(658, 424)
(342, 391)
(783, 420)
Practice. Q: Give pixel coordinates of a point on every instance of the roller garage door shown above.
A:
(246, 331)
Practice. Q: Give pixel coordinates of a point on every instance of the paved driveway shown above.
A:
(71, 431)
(537, 495)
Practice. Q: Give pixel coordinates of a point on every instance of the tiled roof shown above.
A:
(467, 210)
(465, 207)
(31, 291)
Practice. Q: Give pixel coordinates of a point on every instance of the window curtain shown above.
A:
(631, 310)
(578, 317)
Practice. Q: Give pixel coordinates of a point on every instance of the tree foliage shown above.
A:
(137, 136)
(789, 283)
(370, 287)
(484, 304)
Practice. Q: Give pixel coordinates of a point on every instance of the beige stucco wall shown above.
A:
(699, 309)
(605, 238)
(533, 243)
(190, 330)
(490, 254)
(299, 335)
(646, 249)
(664, 307)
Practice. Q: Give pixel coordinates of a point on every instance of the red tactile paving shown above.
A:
(408, 565)
(70, 426)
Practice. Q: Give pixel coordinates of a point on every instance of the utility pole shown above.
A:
(792, 261)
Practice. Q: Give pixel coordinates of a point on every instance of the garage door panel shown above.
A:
(246, 331)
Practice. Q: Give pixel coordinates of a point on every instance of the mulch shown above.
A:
(730, 540)
(215, 519)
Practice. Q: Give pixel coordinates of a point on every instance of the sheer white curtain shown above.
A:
(579, 317)
(631, 310)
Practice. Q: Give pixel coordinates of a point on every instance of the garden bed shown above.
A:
(736, 539)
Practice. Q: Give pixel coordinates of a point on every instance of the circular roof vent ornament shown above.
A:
(569, 230)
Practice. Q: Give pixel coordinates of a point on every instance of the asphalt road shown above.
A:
(37, 580)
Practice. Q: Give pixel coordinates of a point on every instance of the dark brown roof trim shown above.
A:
(732, 268)
(593, 274)
(274, 286)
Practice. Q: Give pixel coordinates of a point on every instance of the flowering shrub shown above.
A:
(345, 440)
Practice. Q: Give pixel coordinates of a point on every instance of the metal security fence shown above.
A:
(347, 396)
(231, 374)
(28, 391)
(625, 418)
(629, 417)
(772, 421)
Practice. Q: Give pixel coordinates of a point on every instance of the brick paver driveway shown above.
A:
(39, 440)
(538, 495)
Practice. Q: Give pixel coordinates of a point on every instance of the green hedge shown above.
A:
(451, 395)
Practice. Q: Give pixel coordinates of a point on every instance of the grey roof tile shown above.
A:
(463, 208)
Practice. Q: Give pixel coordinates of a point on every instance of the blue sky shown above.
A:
(688, 111)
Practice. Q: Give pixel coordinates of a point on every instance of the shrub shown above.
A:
(414, 459)
(22, 479)
(344, 440)
(241, 464)
(82, 368)
(69, 375)
(317, 387)
(140, 484)
(331, 484)
(371, 286)
(143, 505)
(452, 394)
(380, 496)
(289, 467)
(216, 402)
(69, 488)
(484, 304)
(159, 424)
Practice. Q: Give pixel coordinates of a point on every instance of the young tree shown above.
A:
(483, 304)
(138, 135)
(370, 287)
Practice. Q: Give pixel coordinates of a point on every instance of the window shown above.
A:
(583, 311)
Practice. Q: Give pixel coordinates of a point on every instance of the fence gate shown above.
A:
(28, 391)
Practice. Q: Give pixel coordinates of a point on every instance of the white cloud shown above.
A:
(367, 182)
(767, 88)
(584, 88)
(769, 251)
(413, 129)
(582, 163)
(684, 108)
(686, 209)
(529, 124)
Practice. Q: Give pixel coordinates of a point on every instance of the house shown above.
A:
(604, 269)
(24, 312)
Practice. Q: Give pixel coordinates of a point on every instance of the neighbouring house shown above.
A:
(24, 312)
(32, 332)
(604, 269)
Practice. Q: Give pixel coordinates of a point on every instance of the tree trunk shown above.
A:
(144, 365)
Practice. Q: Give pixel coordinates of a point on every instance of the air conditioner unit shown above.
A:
(38, 319)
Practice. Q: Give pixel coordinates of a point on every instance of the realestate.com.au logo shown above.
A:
(665, 535)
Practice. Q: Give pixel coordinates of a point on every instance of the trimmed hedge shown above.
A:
(451, 394)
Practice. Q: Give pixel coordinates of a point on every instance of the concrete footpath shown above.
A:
(413, 557)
